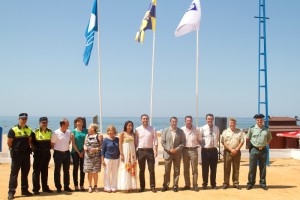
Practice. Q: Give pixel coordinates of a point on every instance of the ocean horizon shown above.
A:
(159, 123)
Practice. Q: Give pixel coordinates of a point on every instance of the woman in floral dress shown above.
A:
(128, 161)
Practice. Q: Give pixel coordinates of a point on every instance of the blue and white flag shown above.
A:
(89, 34)
(191, 19)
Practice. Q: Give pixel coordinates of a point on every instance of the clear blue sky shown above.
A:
(42, 73)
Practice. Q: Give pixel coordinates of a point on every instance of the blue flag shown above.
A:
(89, 34)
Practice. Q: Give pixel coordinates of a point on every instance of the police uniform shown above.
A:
(20, 157)
(42, 145)
(259, 139)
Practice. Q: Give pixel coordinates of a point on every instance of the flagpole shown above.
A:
(197, 69)
(99, 67)
(152, 78)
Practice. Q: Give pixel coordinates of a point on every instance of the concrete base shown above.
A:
(278, 153)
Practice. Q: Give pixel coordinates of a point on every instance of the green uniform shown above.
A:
(259, 139)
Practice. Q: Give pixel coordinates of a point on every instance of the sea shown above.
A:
(159, 123)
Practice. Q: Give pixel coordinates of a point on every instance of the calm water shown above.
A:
(6, 122)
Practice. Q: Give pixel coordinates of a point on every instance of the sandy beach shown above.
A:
(282, 179)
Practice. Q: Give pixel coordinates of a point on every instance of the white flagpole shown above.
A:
(152, 78)
(197, 66)
(99, 67)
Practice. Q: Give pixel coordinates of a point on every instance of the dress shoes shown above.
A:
(237, 187)
(204, 187)
(225, 187)
(186, 188)
(10, 196)
(264, 187)
(196, 188)
(58, 190)
(214, 187)
(48, 191)
(142, 190)
(249, 187)
(175, 189)
(164, 189)
(68, 190)
(36, 193)
(26, 193)
(153, 189)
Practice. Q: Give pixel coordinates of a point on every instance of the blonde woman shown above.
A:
(110, 159)
(127, 168)
(92, 158)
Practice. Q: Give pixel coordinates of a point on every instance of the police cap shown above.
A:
(261, 116)
(23, 115)
(43, 119)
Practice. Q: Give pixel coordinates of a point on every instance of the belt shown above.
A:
(260, 148)
(209, 149)
(145, 149)
(190, 148)
(61, 151)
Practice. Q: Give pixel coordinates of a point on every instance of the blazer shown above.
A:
(167, 142)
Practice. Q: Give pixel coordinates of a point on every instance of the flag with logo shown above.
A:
(191, 19)
(89, 34)
(148, 22)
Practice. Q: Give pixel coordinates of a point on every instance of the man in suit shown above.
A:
(173, 141)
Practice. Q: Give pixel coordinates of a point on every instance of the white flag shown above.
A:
(191, 19)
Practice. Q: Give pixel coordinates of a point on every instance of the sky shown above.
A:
(42, 72)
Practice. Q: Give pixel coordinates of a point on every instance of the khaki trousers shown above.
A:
(235, 162)
(190, 157)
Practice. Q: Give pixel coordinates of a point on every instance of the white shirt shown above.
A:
(192, 136)
(209, 137)
(61, 140)
(146, 137)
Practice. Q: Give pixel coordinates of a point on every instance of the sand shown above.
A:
(282, 178)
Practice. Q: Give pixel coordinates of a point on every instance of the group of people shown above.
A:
(120, 155)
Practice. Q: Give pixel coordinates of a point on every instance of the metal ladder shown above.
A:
(262, 67)
(262, 62)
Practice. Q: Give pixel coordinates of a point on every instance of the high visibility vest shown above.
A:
(23, 132)
(43, 136)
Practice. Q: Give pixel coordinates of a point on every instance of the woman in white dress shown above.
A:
(127, 168)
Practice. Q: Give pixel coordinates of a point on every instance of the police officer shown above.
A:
(19, 142)
(41, 147)
(259, 136)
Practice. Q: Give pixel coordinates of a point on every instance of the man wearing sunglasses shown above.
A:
(19, 142)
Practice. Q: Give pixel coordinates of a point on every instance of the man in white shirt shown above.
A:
(209, 135)
(190, 153)
(60, 142)
(146, 141)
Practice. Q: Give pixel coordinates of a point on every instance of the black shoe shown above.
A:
(264, 187)
(26, 193)
(237, 187)
(225, 187)
(48, 191)
(36, 193)
(58, 190)
(175, 189)
(153, 189)
(164, 189)
(204, 187)
(186, 188)
(142, 190)
(10, 196)
(68, 190)
(249, 187)
(214, 187)
(196, 189)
